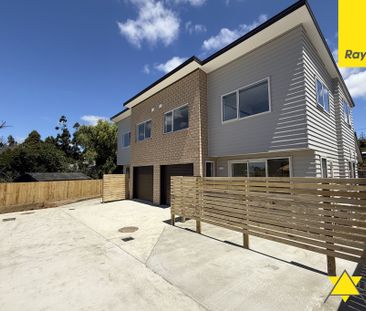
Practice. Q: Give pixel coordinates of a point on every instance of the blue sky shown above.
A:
(84, 58)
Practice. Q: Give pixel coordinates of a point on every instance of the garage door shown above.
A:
(143, 183)
(168, 171)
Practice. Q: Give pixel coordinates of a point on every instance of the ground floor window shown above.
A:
(352, 169)
(277, 167)
(324, 168)
(210, 169)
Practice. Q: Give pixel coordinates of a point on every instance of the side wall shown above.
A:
(345, 135)
(322, 132)
(123, 154)
(285, 126)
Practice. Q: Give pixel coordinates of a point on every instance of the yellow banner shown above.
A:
(352, 33)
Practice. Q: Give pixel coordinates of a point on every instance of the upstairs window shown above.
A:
(176, 119)
(126, 140)
(346, 112)
(143, 130)
(229, 107)
(246, 102)
(322, 95)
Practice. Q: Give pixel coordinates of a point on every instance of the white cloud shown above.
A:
(92, 120)
(226, 36)
(191, 2)
(355, 79)
(356, 84)
(195, 28)
(172, 63)
(154, 23)
(146, 69)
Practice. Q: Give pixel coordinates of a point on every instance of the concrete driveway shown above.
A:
(74, 258)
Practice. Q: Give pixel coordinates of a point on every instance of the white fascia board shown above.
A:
(122, 116)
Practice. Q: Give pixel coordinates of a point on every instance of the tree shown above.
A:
(11, 141)
(32, 156)
(33, 138)
(99, 145)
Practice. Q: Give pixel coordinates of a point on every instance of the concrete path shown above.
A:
(74, 258)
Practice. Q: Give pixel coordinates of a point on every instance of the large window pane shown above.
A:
(326, 99)
(229, 108)
(126, 139)
(278, 168)
(253, 100)
(257, 169)
(319, 93)
(239, 170)
(168, 122)
(141, 131)
(148, 129)
(180, 118)
(322, 95)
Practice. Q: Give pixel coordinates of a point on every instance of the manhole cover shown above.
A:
(128, 229)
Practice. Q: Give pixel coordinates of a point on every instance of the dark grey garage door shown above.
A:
(143, 183)
(168, 171)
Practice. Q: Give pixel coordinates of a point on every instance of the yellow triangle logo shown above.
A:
(345, 285)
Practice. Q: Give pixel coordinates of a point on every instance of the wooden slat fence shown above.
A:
(34, 193)
(327, 216)
(115, 187)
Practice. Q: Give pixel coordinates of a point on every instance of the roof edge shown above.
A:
(188, 61)
(258, 29)
(329, 52)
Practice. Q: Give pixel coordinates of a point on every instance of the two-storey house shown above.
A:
(273, 103)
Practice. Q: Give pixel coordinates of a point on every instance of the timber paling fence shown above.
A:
(326, 216)
(41, 193)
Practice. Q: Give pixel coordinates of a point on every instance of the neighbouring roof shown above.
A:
(53, 176)
(299, 13)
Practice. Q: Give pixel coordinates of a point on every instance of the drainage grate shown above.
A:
(9, 219)
(71, 209)
(27, 213)
(128, 229)
(130, 238)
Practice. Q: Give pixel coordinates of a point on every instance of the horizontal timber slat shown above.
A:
(327, 216)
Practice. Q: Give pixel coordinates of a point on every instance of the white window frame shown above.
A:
(236, 91)
(123, 139)
(172, 111)
(213, 168)
(346, 116)
(137, 130)
(316, 94)
(265, 160)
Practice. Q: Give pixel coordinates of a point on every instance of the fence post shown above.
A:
(246, 218)
(331, 261)
(331, 266)
(199, 204)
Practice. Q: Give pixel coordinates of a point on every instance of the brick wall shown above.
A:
(185, 146)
